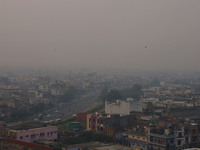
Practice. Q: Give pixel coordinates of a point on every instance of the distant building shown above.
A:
(58, 88)
(12, 90)
(35, 96)
(44, 87)
(123, 107)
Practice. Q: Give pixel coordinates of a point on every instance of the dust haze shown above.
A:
(129, 34)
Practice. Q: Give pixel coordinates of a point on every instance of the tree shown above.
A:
(113, 95)
(18, 114)
(87, 137)
(104, 93)
(134, 92)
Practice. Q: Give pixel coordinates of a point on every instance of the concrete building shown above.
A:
(44, 87)
(179, 138)
(58, 88)
(82, 116)
(123, 107)
(138, 140)
(161, 139)
(36, 134)
(95, 122)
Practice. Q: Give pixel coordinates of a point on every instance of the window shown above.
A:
(172, 140)
(179, 142)
(41, 134)
(194, 138)
(21, 137)
(180, 134)
(194, 131)
(27, 135)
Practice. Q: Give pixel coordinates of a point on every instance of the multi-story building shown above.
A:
(123, 107)
(138, 139)
(58, 88)
(162, 139)
(95, 122)
(44, 87)
(180, 138)
(192, 135)
(82, 116)
(35, 134)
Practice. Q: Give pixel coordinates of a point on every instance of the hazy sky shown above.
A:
(100, 33)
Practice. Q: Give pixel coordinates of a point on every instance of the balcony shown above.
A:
(162, 144)
(161, 135)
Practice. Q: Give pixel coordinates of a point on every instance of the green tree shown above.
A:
(19, 114)
(104, 93)
(134, 92)
(113, 95)
(87, 137)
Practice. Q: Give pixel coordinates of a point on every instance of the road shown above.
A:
(64, 110)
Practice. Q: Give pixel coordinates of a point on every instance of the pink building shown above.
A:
(31, 135)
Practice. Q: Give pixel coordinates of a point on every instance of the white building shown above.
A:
(44, 87)
(123, 107)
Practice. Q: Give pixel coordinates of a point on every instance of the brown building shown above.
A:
(82, 116)
(109, 131)
(95, 122)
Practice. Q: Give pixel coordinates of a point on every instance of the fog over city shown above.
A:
(130, 34)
